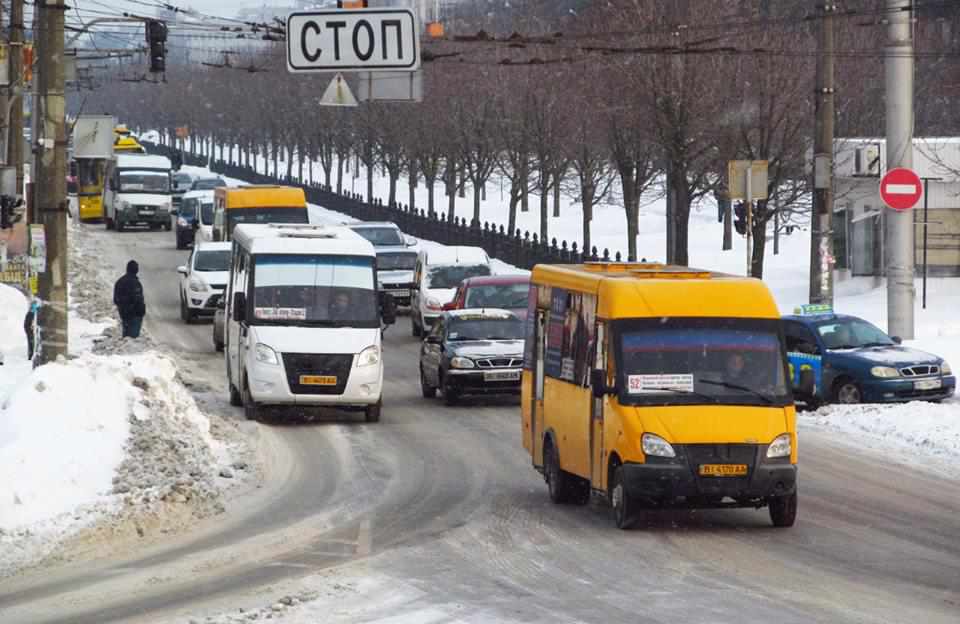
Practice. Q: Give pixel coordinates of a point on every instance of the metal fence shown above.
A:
(521, 249)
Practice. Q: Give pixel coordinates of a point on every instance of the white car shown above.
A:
(203, 280)
(438, 273)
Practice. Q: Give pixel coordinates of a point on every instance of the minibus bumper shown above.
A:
(680, 485)
(270, 385)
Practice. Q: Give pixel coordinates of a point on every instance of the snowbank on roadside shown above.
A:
(920, 434)
(97, 440)
(13, 341)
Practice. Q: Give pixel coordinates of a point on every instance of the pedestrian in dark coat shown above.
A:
(29, 324)
(128, 297)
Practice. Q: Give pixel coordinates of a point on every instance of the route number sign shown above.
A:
(358, 40)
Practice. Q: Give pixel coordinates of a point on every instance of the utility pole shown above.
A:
(15, 148)
(899, 233)
(50, 191)
(821, 221)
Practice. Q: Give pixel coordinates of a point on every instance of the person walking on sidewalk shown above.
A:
(128, 297)
(29, 326)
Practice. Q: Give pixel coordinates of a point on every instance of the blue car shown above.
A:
(855, 362)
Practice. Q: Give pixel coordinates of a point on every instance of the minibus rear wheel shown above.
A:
(563, 486)
(783, 510)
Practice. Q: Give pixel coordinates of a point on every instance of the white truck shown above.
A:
(303, 319)
(138, 192)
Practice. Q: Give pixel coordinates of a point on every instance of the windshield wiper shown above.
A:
(702, 395)
(727, 384)
(877, 344)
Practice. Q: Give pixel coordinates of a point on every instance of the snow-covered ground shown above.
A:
(102, 445)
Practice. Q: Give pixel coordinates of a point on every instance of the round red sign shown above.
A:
(901, 189)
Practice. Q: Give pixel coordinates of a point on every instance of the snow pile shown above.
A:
(13, 341)
(913, 432)
(100, 440)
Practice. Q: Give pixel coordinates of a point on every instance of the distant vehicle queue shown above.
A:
(645, 385)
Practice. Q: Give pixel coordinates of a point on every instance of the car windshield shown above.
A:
(695, 361)
(505, 296)
(451, 276)
(335, 291)
(464, 329)
(381, 236)
(266, 215)
(182, 180)
(207, 184)
(852, 334)
(144, 182)
(208, 261)
(396, 261)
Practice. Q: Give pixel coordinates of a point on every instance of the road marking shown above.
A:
(901, 189)
(282, 564)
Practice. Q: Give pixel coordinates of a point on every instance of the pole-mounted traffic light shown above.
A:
(157, 44)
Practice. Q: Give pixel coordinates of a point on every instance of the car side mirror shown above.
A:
(182, 270)
(598, 382)
(239, 307)
(432, 339)
(222, 304)
(897, 339)
(388, 308)
(808, 381)
(411, 241)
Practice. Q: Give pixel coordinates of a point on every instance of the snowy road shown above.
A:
(441, 506)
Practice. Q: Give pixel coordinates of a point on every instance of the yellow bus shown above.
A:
(658, 387)
(256, 204)
(90, 180)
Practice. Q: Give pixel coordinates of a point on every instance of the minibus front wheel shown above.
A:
(783, 510)
(624, 512)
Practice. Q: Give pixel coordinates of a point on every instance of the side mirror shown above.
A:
(807, 385)
(897, 339)
(388, 308)
(182, 270)
(222, 304)
(411, 241)
(598, 382)
(432, 339)
(239, 307)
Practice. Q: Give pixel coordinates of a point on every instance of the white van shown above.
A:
(303, 319)
(438, 272)
(137, 192)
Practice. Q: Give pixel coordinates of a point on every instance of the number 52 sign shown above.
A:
(360, 40)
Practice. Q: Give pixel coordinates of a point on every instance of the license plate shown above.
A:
(399, 293)
(502, 376)
(927, 384)
(317, 380)
(147, 212)
(723, 470)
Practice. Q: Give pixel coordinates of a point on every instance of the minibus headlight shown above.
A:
(884, 371)
(656, 446)
(945, 368)
(780, 447)
(369, 357)
(461, 362)
(266, 355)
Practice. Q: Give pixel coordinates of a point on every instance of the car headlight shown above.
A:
(945, 368)
(369, 356)
(461, 362)
(884, 371)
(780, 447)
(655, 445)
(265, 355)
(197, 285)
(124, 205)
(434, 304)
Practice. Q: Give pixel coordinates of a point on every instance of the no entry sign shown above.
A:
(901, 189)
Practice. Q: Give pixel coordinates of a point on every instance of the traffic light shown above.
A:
(157, 42)
(740, 221)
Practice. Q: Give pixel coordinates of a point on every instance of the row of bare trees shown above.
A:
(622, 104)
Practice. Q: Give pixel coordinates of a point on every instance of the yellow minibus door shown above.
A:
(596, 413)
(536, 410)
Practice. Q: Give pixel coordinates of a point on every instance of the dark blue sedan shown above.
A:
(855, 362)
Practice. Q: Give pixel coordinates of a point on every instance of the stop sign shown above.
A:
(901, 189)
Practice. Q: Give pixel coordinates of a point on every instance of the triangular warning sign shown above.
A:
(338, 93)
